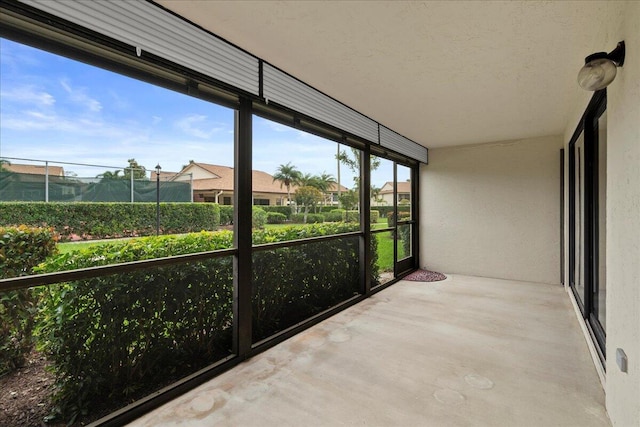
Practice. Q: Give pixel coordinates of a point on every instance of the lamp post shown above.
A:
(158, 199)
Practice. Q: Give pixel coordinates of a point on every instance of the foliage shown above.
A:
(405, 237)
(349, 199)
(310, 218)
(349, 216)
(384, 210)
(402, 215)
(294, 283)
(21, 249)
(285, 210)
(288, 175)
(226, 215)
(113, 335)
(139, 172)
(334, 216)
(352, 216)
(321, 182)
(276, 218)
(258, 217)
(353, 162)
(307, 196)
(375, 216)
(109, 220)
(315, 218)
(297, 218)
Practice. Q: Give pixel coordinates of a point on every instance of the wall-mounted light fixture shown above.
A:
(600, 68)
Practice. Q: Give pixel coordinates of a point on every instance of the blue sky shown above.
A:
(56, 109)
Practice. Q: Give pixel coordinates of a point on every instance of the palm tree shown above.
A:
(287, 175)
(324, 181)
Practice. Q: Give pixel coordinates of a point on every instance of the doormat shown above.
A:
(424, 276)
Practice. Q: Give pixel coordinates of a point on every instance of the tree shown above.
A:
(108, 175)
(139, 171)
(324, 181)
(4, 162)
(352, 161)
(308, 196)
(287, 175)
(349, 199)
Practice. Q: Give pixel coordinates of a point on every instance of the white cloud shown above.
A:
(79, 96)
(28, 95)
(196, 125)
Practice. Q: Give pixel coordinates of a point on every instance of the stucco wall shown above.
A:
(620, 22)
(493, 210)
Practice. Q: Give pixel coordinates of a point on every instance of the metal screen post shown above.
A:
(158, 199)
(131, 184)
(46, 182)
(191, 186)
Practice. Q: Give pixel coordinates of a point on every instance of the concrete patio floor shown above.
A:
(466, 351)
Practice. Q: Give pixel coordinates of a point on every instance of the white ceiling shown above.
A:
(440, 73)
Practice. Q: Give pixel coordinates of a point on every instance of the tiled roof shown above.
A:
(262, 181)
(33, 169)
(222, 180)
(403, 187)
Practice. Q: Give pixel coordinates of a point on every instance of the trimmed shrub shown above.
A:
(285, 210)
(334, 216)
(315, 218)
(352, 216)
(375, 216)
(297, 218)
(383, 210)
(294, 283)
(402, 215)
(276, 218)
(113, 337)
(258, 218)
(109, 220)
(226, 215)
(21, 248)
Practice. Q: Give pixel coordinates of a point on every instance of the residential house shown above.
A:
(385, 195)
(215, 184)
(33, 169)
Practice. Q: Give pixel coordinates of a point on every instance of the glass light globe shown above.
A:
(597, 74)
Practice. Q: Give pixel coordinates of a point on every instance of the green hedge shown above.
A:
(226, 215)
(109, 220)
(311, 218)
(402, 215)
(21, 248)
(276, 218)
(383, 210)
(111, 337)
(284, 210)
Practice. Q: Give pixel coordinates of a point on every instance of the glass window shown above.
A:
(108, 159)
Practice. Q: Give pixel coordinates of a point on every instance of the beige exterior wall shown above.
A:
(493, 210)
(620, 22)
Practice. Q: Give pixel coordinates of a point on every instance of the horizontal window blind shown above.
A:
(146, 26)
(285, 90)
(400, 144)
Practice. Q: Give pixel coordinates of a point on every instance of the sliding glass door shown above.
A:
(588, 185)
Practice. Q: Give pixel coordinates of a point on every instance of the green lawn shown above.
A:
(385, 251)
